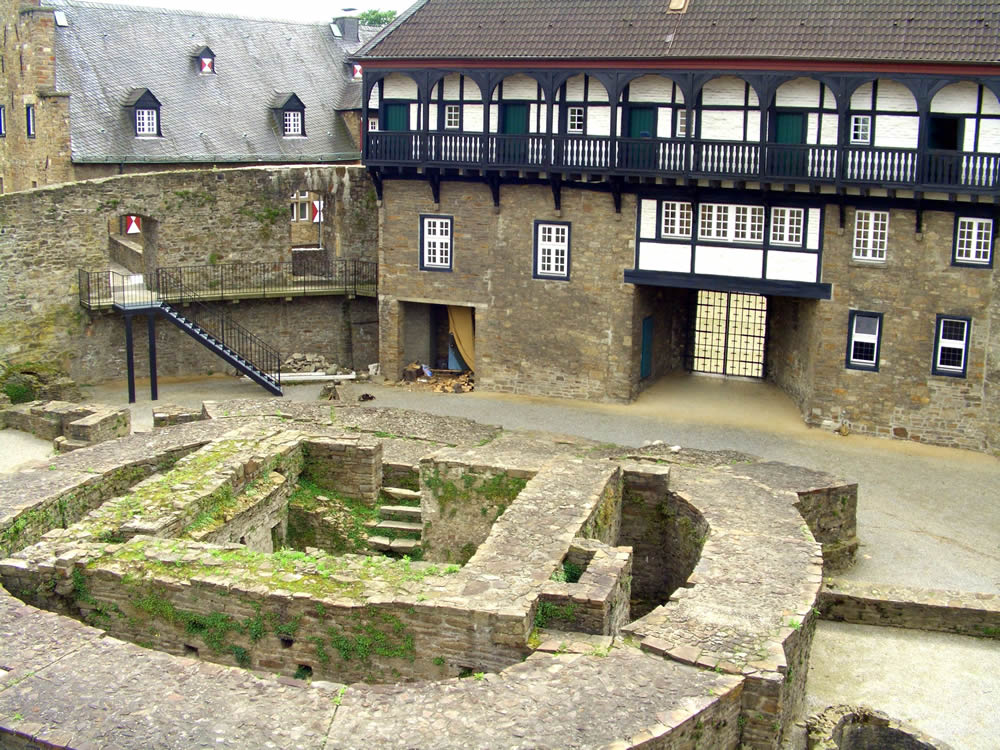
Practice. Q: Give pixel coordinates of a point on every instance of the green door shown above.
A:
(641, 124)
(513, 122)
(515, 119)
(397, 117)
(789, 129)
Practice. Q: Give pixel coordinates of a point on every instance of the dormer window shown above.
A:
(145, 113)
(205, 60)
(290, 113)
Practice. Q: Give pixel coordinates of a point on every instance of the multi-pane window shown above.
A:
(676, 219)
(300, 206)
(951, 346)
(373, 124)
(452, 116)
(145, 122)
(731, 223)
(786, 226)
(974, 241)
(748, 223)
(292, 122)
(681, 130)
(574, 120)
(552, 250)
(871, 235)
(435, 242)
(29, 119)
(861, 129)
(863, 340)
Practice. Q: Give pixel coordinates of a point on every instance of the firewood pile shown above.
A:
(440, 381)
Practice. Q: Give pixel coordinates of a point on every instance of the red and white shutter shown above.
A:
(133, 225)
(317, 212)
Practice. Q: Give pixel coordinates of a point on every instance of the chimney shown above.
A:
(348, 28)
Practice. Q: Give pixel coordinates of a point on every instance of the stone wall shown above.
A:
(351, 467)
(189, 218)
(541, 336)
(965, 613)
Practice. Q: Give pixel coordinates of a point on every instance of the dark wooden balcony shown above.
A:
(861, 166)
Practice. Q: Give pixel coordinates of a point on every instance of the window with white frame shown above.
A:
(951, 346)
(551, 250)
(861, 130)
(146, 122)
(681, 128)
(435, 243)
(373, 124)
(731, 223)
(974, 241)
(677, 219)
(452, 116)
(786, 226)
(3, 121)
(871, 235)
(864, 335)
(29, 119)
(292, 122)
(300, 206)
(574, 120)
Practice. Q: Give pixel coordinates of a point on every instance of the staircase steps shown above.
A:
(399, 527)
(400, 513)
(413, 530)
(398, 493)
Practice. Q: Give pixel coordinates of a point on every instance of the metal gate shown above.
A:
(729, 334)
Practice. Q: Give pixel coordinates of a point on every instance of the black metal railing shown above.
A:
(682, 157)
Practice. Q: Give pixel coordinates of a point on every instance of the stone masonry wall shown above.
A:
(559, 338)
(915, 284)
(191, 217)
(351, 467)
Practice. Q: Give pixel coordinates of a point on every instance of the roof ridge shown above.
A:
(147, 9)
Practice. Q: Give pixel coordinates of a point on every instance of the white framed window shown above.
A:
(29, 119)
(974, 241)
(292, 122)
(574, 120)
(551, 250)
(951, 346)
(300, 206)
(681, 128)
(731, 223)
(146, 122)
(452, 116)
(435, 243)
(677, 219)
(863, 342)
(861, 130)
(786, 226)
(871, 235)
(3, 121)
(373, 123)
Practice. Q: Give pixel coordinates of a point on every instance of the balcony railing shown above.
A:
(860, 165)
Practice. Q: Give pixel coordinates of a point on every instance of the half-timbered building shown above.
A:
(606, 192)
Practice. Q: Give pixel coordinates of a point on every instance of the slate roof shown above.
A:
(966, 31)
(107, 52)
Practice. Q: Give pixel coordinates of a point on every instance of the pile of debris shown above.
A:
(441, 381)
(313, 363)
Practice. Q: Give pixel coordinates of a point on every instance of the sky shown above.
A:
(296, 10)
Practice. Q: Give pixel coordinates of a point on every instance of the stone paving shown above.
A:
(693, 674)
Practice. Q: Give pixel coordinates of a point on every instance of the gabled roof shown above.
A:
(959, 31)
(286, 100)
(107, 51)
(140, 96)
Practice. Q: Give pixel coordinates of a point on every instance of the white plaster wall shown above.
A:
(895, 97)
(599, 120)
(721, 125)
(802, 92)
(651, 89)
(958, 98)
(434, 117)
(729, 261)
(829, 100)
(596, 92)
(537, 118)
(415, 119)
(784, 266)
(647, 219)
(373, 99)
(969, 134)
(574, 89)
(452, 86)
(664, 122)
(989, 136)
(398, 86)
(991, 106)
(812, 229)
(812, 128)
(473, 118)
(727, 90)
(494, 118)
(862, 97)
(659, 256)
(896, 131)
(520, 87)
(828, 136)
(753, 126)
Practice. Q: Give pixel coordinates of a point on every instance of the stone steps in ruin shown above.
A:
(401, 527)
(399, 546)
(398, 493)
(400, 513)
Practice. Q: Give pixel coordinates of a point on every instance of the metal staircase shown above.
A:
(213, 329)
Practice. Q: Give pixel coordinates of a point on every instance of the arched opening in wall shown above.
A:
(518, 120)
(652, 124)
(131, 240)
(583, 124)
(963, 136)
(456, 120)
(307, 216)
(394, 119)
(802, 131)
(883, 133)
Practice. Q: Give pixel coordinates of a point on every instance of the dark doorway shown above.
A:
(397, 117)
(729, 334)
(789, 157)
(944, 133)
(641, 125)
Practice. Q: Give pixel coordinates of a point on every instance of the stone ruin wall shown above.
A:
(189, 218)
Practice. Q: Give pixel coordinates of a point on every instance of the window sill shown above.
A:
(294, 137)
(868, 263)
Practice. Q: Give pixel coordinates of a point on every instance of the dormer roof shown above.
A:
(286, 100)
(141, 98)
